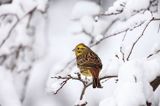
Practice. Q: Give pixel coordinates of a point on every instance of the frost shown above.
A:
(85, 8)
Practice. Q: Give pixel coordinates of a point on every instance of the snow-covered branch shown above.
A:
(142, 34)
(84, 82)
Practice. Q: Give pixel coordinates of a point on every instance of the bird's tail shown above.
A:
(96, 83)
(95, 76)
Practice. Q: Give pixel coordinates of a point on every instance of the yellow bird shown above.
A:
(88, 63)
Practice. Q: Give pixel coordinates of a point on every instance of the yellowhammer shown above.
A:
(88, 63)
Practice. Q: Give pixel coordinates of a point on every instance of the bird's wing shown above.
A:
(90, 60)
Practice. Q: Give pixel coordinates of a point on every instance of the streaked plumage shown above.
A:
(88, 63)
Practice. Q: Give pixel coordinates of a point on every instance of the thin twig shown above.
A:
(158, 28)
(124, 35)
(10, 31)
(110, 14)
(152, 19)
(123, 55)
(13, 27)
(106, 37)
(78, 78)
(67, 65)
(150, 55)
(138, 39)
(109, 26)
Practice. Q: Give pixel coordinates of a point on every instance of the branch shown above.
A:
(62, 83)
(155, 83)
(85, 83)
(13, 27)
(111, 13)
(156, 52)
(158, 28)
(134, 44)
(106, 37)
(123, 55)
(99, 41)
(90, 35)
(138, 39)
(10, 31)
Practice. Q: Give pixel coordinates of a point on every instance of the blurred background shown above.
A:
(36, 42)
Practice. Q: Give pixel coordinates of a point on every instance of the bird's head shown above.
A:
(80, 49)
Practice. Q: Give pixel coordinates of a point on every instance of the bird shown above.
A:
(89, 63)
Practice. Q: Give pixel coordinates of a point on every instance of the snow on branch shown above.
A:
(24, 9)
(142, 34)
(156, 52)
(117, 8)
(131, 25)
(84, 82)
(128, 8)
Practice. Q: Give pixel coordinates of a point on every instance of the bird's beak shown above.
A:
(73, 50)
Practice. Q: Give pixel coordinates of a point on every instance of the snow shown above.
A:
(8, 92)
(130, 94)
(113, 66)
(87, 23)
(42, 5)
(135, 5)
(109, 101)
(152, 69)
(133, 81)
(156, 96)
(98, 37)
(128, 7)
(118, 5)
(159, 7)
(133, 22)
(80, 102)
(156, 47)
(50, 40)
(85, 8)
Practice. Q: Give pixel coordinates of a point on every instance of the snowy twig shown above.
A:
(156, 52)
(108, 27)
(15, 24)
(85, 83)
(124, 35)
(158, 28)
(121, 50)
(10, 31)
(155, 83)
(115, 34)
(62, 84)
(134, 44)
(71, 62)
(90, 35)
(123, 55)
(110, 14)
(106, 37)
